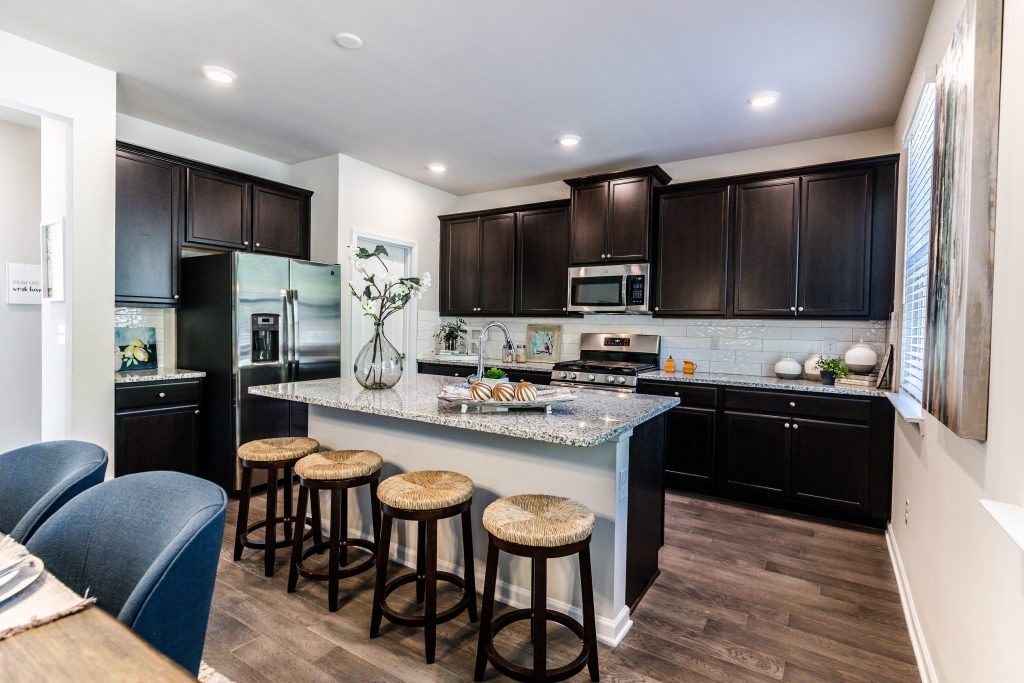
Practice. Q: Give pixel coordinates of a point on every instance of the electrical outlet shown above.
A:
(906, 512)
(831, 347)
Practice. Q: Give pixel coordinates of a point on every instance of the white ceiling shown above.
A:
(486, 87)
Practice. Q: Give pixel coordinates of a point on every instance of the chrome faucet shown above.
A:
(480, 346)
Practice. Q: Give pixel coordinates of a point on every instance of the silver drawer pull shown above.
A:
(786, 425)
(257, 244)
(197, 412)
(458, 375)
(246, 242)
(162, 395)
(792, 404)
(675, 393)
(796, 426)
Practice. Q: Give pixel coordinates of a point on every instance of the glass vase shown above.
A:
(378, 364)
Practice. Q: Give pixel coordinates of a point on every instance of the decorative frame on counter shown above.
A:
(543, 343)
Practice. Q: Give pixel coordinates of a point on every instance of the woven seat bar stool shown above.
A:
(539, 527)
(424, 497)
(274, 455)
(337, 472)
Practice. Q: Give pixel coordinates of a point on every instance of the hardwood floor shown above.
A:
(744, 595)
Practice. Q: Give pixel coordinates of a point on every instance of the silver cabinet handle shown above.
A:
(792, 308)
(458, 375)
(197, 412)
(257, 244)
(245, 242)
(657, 308)
(799, 308)
(792, 404)
(786, 425)
(563, 308)
(176, 296)
(675, 393)
(796, 426)
(162, 394)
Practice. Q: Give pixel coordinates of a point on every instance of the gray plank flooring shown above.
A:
(744, 595)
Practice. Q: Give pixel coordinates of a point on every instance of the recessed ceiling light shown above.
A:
(569, 140)
(763, 99)
(349, 41)
(219, 74)
(437, 168)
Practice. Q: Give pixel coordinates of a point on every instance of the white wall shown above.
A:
(817, 151)
(20, 356)
(966, 577)
(77, 140)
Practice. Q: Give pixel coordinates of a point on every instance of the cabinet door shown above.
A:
(589, 220)
(460, 266)
(149, 212)
(218, 211)
(693, 252)
(690, 448)
(157, 439)
(835, 244)
(766, 243)
(497, 264)
(830, 463)
(542, 261)
(756, 453)
(629, 224)
(280, 222)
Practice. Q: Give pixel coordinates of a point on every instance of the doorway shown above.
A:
(400, 329)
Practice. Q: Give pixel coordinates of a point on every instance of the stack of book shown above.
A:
(854, 380)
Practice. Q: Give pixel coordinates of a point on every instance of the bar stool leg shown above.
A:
(269, 551)
(318, 525)
(470, 573)
(289, 483)
(589, 625)
(293, 570)
(421, 557)
(383, 551)
(375, 513)
(332, 557)
(243, 511)
(490, 579)
(430, 613)
(343, 528)
(540, 631)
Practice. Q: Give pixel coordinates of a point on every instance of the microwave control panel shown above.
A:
(636, 290)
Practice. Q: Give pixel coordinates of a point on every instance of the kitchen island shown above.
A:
(605, 449)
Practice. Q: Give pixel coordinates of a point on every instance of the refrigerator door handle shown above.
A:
(296, 356)
(286, 336)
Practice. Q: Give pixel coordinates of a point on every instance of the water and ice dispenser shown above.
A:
(266, 337)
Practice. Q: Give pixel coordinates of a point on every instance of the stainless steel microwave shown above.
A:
(620, 288)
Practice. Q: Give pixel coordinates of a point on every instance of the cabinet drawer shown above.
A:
(689, 395)
(157, 394)
(445, 370)
(783, 403)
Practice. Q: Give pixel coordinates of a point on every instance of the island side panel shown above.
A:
(646, 512)
(500, 466)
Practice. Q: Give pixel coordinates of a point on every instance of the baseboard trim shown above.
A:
(609, 631)
(917, 640)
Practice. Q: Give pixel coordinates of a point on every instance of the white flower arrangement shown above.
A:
(383, 296)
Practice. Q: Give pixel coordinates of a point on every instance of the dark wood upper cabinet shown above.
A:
(148, 219)
(218, 211)
(280, 221)
(692, 266)
(834, 275)
(611, 216)
(497, 264)
(478, 265)
(765, 253)
(542, 259)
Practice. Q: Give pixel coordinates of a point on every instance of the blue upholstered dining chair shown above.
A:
(37, 480)
(146, 546)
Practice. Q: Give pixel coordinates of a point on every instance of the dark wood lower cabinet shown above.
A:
(756, 453)
(157, 436)
(690, 448)
(830, 463)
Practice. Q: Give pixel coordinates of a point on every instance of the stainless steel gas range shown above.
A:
(609, 361)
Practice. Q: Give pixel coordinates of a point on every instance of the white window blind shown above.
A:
(920, 155)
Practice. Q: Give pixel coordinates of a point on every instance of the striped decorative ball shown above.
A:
(526, 392)
(480, 391)
(503, 392)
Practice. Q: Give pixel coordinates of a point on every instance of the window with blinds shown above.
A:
(920, 146)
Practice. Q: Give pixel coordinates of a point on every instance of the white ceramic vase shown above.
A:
(811, 368)
(788, 368)
(861, 359)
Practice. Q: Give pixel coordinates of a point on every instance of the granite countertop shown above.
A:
(488, 363)
(158, 375)
(759, 382)
(593, 418)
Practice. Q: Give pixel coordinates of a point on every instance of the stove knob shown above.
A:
(622, 380)
(572, 375)
(609, 378)
(563, 375)
(590, 378)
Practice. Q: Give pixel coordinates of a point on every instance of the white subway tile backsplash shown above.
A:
(746, 344)
(735, 368)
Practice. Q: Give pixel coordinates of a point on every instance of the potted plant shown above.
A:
(450, 334)
(494, 376)
(832, 369)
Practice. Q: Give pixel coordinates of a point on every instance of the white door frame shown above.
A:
(409, 314)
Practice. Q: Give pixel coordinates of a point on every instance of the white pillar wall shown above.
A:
(76, 102)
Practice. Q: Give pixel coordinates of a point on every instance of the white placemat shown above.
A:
(46, 599)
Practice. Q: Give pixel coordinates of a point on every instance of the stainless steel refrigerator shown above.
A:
(251, 319)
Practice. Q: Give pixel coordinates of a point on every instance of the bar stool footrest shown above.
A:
(348, 570)
(285, 542)
(520, 673)
(418, 620)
